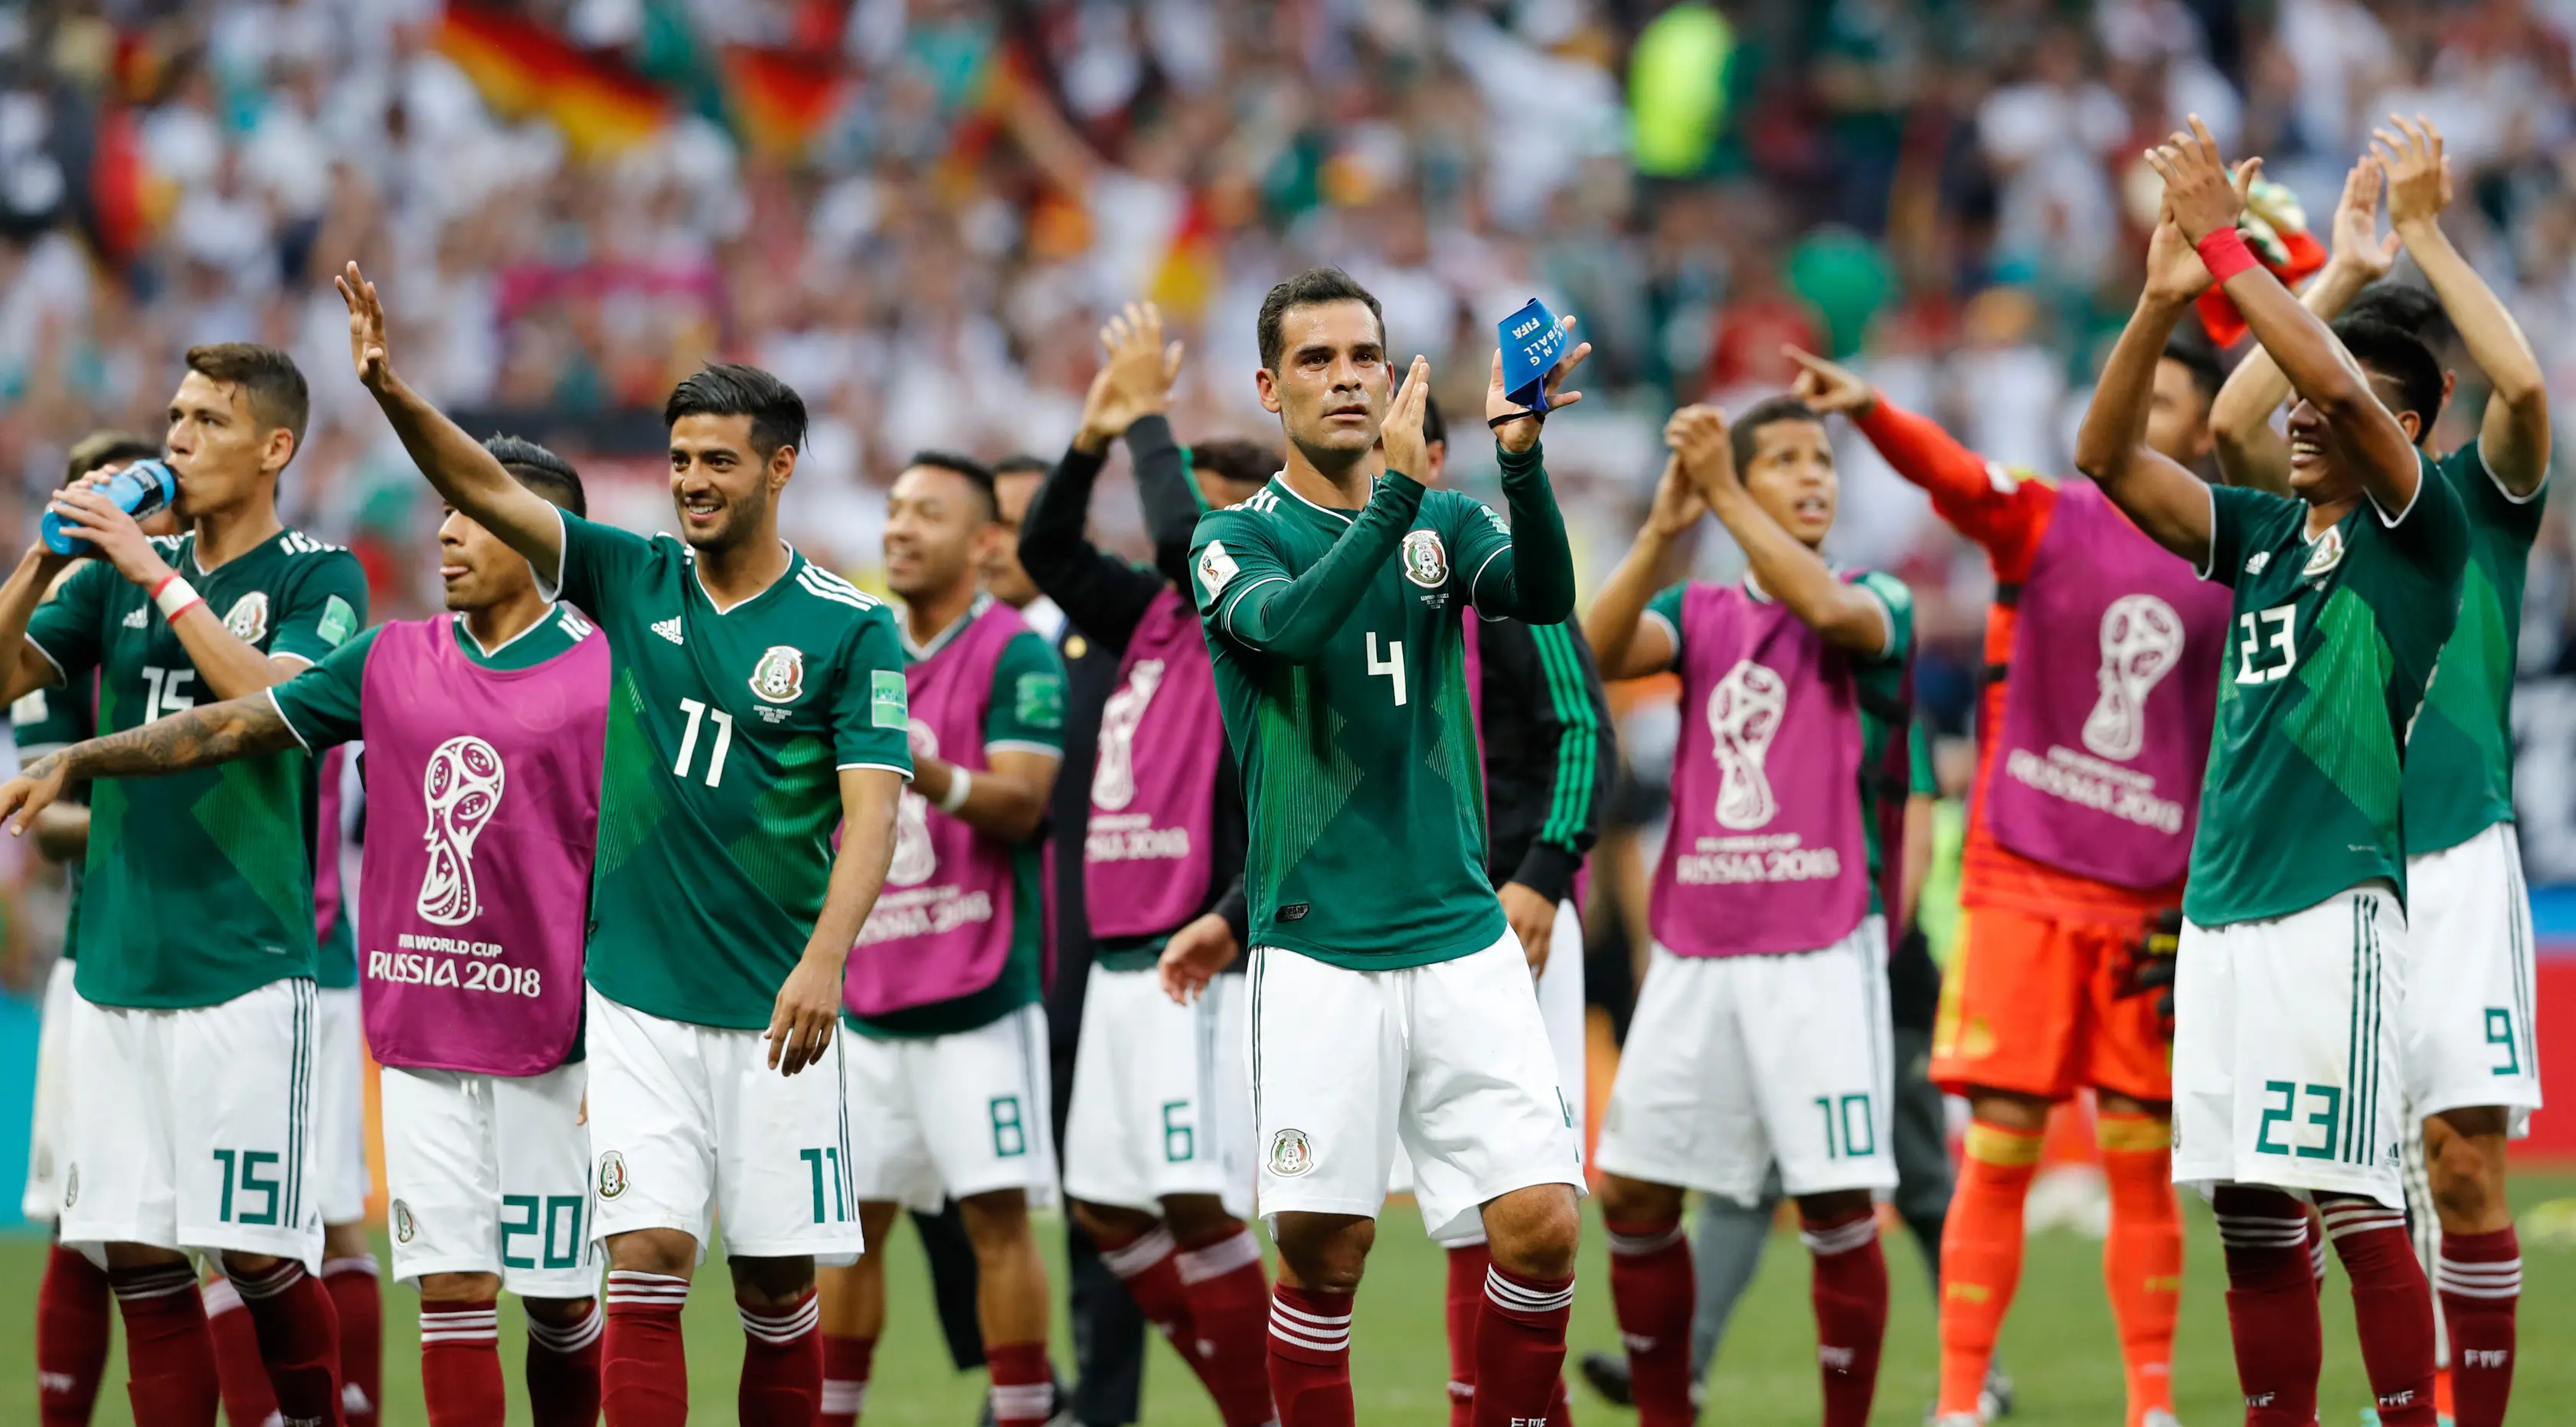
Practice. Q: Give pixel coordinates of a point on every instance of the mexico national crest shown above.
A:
(612, 1175)
(1425, 562)
(780, 675)
(1290, 1154)
(406, 1228)
(248, 619)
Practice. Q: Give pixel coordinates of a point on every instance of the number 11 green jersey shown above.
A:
(720, 786)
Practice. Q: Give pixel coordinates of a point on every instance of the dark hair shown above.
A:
(2400, 357)
(2195, 353)
(1242, 463)
(1311, 288)
(977, 474)
(107, 448)
(271, 384)
(2405, 307)
(540, 470)
(1769, 411)
(1435, 427)
(1021, 463)
(731, 389)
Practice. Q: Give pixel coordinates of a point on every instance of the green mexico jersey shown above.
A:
(1362, 778)
(198, 887)
(1882, 688)
(2459, 761)
(2334, 639)
(720, 789)
(321, 704)
(43, 721)
(1025, 713)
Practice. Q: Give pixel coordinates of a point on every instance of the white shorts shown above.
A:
(2468, 1037)
(1160, 1102)
(193, 1129)
(686, 1119)
(46, 1150)
(1448, 1061)
(1734, 1063)
(491, 1174)
(2285, 1054)
(340, 1106)
(1560, 1010)
(954, 1116)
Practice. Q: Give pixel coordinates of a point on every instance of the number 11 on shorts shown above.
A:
(815, 1162)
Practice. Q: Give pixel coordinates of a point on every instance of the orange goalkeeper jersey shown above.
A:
(2006, 513)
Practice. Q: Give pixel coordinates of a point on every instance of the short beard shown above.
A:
(741, 518)
(1333, 460)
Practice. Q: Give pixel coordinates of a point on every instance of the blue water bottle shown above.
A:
(140, 489)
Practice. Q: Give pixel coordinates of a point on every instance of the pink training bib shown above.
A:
(942, 926)
(1146, 860)
(474, 886)
(1766, 853)
(2113, 686)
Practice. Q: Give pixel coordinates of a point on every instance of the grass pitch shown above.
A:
(2058, 1345)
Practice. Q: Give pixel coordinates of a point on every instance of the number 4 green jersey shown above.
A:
(1361, 773)
(720, 787)
(2459, 763)
(2335, 639)
(198, 887)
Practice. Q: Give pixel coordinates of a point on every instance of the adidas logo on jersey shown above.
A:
(2257, 562)
(134, 618)
(668, 628)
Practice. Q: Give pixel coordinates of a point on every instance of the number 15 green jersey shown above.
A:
(720, 786)
(1362, 778)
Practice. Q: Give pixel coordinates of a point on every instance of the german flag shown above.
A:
(525, 70)
(780, 101)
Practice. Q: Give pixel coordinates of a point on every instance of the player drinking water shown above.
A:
(1390, 999)
(755, 702)
(2291, 981)
(484, 726)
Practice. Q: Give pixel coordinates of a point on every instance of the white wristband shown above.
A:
(960, 783)
(175, 594)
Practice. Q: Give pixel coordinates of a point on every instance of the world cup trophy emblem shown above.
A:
(2141, 643)
(914, 858)
(462, 786)
(1113, 782)
(1744, 713)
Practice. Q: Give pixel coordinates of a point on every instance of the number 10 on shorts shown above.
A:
(1850, 1131)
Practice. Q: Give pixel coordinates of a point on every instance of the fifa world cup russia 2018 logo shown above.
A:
(1113, 783)
(2141, 643)
(1744, 714)
(462, 786)
(914, 858)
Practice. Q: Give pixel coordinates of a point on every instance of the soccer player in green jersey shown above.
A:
(2467, 1032)
(1390, 1000)
(2291, 978)
(755, 702)
(196, 908)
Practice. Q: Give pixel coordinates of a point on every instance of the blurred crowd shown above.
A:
(1946, 192)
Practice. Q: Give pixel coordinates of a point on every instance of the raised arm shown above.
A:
(1624, 642)
(1164, 489)
(2513, 436)
(2004, 514)
(1846, 615)
(809, 1004)
(19, 597)
(195, 738)
(466, 475)
(1103, 595)
(1533, 578)
(2250, 451)
(2166, 501)
(2205, 199)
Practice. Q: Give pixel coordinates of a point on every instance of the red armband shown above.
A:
(2224, 253)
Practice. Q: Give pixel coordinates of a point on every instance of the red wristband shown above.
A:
(2224, 253)
(165, 584)
(197, 603)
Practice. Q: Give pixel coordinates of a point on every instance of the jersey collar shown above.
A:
(1279, 482)
(941, 640)
(465, 632)
(795, 557)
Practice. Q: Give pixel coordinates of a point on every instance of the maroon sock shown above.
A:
(1560, 1407)
(1520, 1345)
(1023, 1383)
(846, 1365)
(1310, 1357)
(2392, 1306)
(1849, 1295)
(1653, 1294)
(248, 1399)
(563, 1371)
(299, 1339)
(358, 1299)
(1464, 1304)
(782, 1364)
(2481, 1282)
(71, 1338)
(460, 1364)
(169, 1356)
(1230, 1313)
(644, 1368)
(1148, 1266)
(2271, 1304)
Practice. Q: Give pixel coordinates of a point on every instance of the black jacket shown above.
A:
(1549, 758)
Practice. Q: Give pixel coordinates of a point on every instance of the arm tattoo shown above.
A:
(200, 737)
